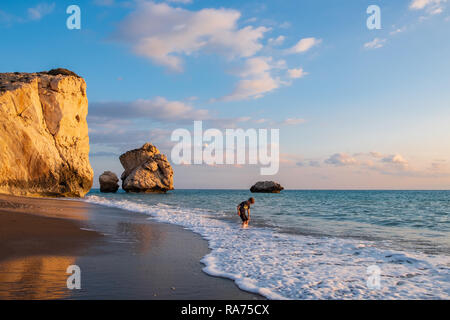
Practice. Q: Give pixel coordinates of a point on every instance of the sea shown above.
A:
(314, 244)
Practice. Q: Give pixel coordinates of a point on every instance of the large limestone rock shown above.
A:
(108, 182)
(44, 143)
(266, 187)
(146, 170)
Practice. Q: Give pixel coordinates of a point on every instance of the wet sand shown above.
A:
(23, 234)
(121, 254)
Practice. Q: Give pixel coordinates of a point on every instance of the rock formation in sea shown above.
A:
(146, 170)
(108, 182)
(44, 143)
(266, 187)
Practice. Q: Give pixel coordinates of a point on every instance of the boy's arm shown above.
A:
(248, 211)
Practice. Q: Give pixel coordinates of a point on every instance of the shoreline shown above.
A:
(280, 265)
(126, 257)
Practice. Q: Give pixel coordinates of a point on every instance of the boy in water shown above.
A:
(241, 208)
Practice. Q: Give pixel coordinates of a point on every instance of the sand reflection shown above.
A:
(145, 236)
(35, 278)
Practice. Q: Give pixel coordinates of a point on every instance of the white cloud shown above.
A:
(304, 45)
(255, 67)
(181, 1)
(395, 159)
(439, 165)
(258, 66)
(166, 34)
(116, 115)
(163, 33)
(308, 163)
(432, 7)
(397, 30)
(41, 10)
(8, 19)
(366, 163)
(341, 159)
(33, 14)
(293, 121)
(285, 25)
(296, 73)
(389, 159)
(383, 163)
(436, 11)
(257, 79)
(375, 43)
(254, 19)
(421, 4)
(262, 120)
(253, 88)
(159, 109)
(376, 154)
(276, 41)
(113, 3)
(104, 3)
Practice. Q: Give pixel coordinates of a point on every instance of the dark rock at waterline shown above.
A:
(108, 182)
(266, 187)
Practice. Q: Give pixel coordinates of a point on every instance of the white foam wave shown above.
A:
(286, 266)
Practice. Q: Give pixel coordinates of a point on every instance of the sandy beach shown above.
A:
(122, 255)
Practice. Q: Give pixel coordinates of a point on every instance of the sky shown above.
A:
(356, 108)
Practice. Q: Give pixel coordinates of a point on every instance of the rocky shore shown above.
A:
(146, 170)
(44, 134)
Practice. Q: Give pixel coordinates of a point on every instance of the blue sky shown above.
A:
(356, 108)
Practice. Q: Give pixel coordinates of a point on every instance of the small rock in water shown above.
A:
(266, 187)
(109, 182)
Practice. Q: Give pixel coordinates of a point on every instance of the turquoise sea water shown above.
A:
(299, 239)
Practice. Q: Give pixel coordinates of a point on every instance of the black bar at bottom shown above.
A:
(175, 310)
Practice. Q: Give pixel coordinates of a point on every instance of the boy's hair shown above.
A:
(251, 200)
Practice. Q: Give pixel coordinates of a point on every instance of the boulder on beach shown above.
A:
(44, 138)
(146, 171)
(108, 182)
(266, 187)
